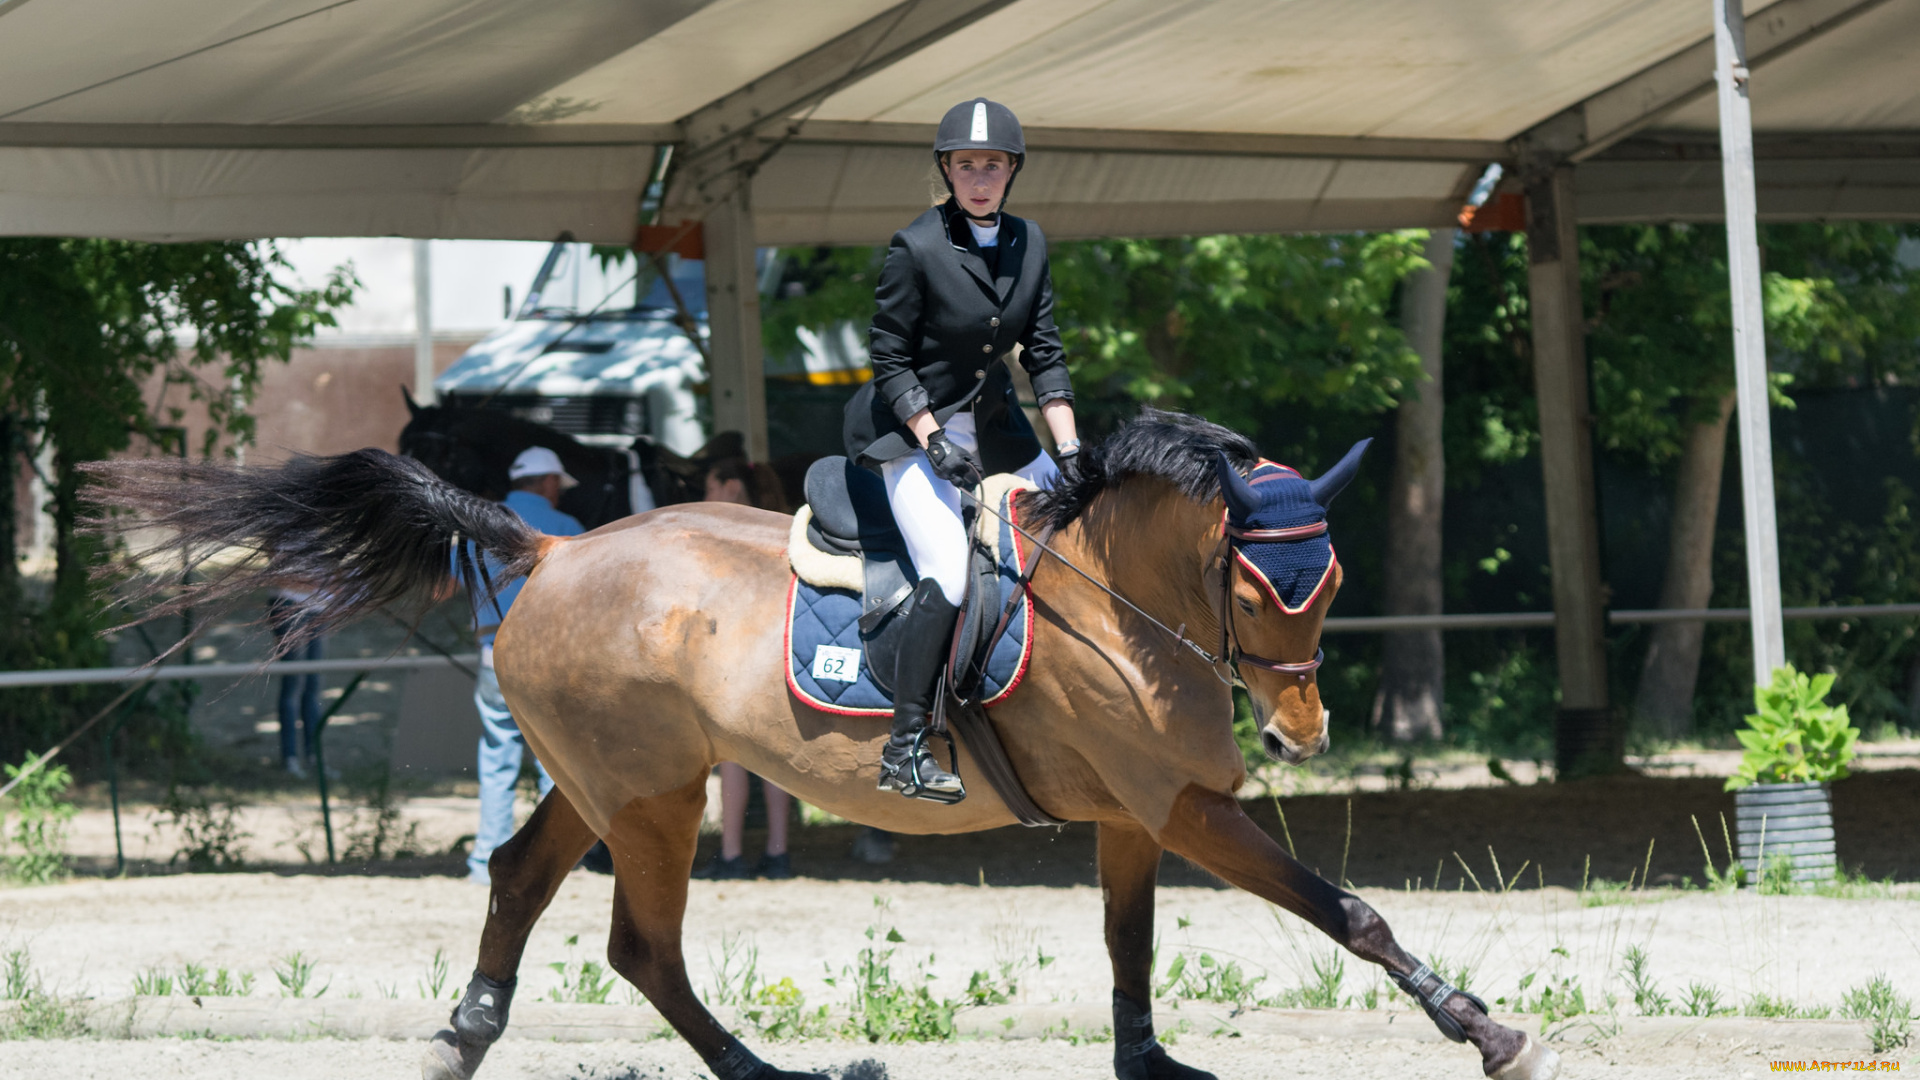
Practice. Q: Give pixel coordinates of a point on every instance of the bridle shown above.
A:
(1231, 534)
(1231, 656)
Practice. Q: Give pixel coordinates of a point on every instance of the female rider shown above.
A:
(962, 285)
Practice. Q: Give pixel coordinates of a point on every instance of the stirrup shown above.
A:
(909, 779)
(1432, 1003)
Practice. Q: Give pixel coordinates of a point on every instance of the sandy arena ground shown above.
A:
(375, 937)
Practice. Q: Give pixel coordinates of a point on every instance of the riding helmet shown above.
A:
(981, 124)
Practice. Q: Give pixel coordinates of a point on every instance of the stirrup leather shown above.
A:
(1433, 1002)
(911, 776)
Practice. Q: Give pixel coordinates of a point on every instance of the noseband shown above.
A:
(1231, 536)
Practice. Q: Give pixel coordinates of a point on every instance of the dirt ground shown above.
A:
(1239, 1059)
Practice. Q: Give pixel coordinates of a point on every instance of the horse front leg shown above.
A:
(1210, 829)
(1129, 861)
(526, 870)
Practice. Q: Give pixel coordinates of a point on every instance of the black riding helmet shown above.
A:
(981, 125)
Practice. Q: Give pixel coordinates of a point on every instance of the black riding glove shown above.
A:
(952, 462)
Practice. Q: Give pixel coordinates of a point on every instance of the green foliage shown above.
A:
(86, 328)
(193, 980)
(1646, 993)
(776, 1010)
(1888, 1014)
(1794, 736)
(819, 287)
(1204, 978)
(294, 973)
(583, 982)
(36, 1012)
(40, 827)
(435, 983)
(889, 1009)
(1717, 879)
(1703, 999)
(208, 829)
(1229, 326)
(1321, 990)
(1784, 1009)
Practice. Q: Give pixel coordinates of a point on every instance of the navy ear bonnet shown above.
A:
(1283, 516)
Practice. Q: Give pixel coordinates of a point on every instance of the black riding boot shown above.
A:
(906, 765)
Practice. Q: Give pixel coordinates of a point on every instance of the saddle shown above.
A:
(847, 518)
(852, 587)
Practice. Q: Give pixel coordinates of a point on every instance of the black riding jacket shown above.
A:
(947, 314)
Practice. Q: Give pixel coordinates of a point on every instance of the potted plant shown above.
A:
(1796, 745)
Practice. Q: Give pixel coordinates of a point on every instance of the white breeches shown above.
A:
(927, 508)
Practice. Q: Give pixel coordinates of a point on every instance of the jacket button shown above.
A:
(995, 321)
(986, 348)
(981, 374)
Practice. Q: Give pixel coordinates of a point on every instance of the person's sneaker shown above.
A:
(295, 769)
(775, 867)
(723, 869)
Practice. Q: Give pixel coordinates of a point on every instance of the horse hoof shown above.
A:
(1533, 1062)
(447, 1059)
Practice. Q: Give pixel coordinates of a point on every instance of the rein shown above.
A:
(1230, 653)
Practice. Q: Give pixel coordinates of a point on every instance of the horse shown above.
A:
(643, 652)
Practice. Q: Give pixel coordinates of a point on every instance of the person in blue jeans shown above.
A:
(299, 694)
(538, 479)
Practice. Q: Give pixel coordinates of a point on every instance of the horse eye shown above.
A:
(1246, 605)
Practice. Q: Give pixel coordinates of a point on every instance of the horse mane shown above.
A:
(1174, 446)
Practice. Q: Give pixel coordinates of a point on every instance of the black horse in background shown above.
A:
(472, 448)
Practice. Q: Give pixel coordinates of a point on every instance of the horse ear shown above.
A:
(413, 407)
(1241, 501)
(1334, 480)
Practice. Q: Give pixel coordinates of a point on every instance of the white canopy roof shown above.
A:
(512, 119)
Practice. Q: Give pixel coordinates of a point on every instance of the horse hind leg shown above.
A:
(1129, 862)
(526, 870)
(1210, 829)
(652, 841)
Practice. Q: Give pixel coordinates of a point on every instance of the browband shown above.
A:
(1270, 536)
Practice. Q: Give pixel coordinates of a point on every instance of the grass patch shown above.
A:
(1889, 1016)
(193, 980)
(35, 1012)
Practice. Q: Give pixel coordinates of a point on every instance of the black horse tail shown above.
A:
(360, 532)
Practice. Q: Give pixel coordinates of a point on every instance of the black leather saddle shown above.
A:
(851, 517)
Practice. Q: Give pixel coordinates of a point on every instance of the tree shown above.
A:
(85, 325)
(1413, 667)
(1231, 326)
(1840, 309)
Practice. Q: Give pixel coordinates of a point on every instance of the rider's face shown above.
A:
(979, 179)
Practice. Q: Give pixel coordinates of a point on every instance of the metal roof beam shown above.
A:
(726, 133)
(331, 136)
(1200, 143)
(1590, 126)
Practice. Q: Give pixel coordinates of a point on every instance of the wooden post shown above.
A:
(737, 374)
(1749, 338)
(1586, 740)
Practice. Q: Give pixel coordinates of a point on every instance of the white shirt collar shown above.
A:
(985, 236)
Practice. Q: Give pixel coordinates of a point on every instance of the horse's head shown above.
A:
(1281, 576)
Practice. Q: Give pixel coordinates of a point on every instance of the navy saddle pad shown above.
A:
(827, 664)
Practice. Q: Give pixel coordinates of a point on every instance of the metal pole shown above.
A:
(1749, 337)
(423, 321)
(320, 759)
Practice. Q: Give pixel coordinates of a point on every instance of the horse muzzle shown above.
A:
(1281, 748)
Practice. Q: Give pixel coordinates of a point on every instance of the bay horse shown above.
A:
(640, 654)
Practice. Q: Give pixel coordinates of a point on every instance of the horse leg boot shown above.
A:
(652, 842)
(1129, 861)
(906, 765)
(526, 870)
(1210, 829)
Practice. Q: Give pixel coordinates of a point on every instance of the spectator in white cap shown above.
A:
(537, 479)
